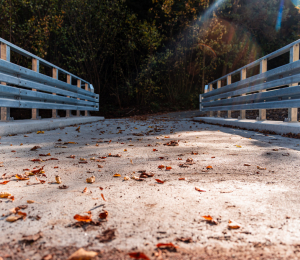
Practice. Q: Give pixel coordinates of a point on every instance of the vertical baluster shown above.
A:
(294, 56)
(262, 69)
(219, 86)
(228, 83)
(79, 86)
(55, 76)
(36, 68)
(69, 78)
(243, 76)
(210, 88)
(86, 86)
(5, 55)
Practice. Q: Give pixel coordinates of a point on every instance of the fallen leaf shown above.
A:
(84, 190)
(198, 189)
(30, 201)
(233, 225)
(13, 218)
(103, 197)
(261, 168)
(41, 181)
(91, 179)
(32, 238)
(36, 160)
(4, 182)
(169, 245)
(181, 179)
(247, 164)
(155, 150)
(48, 154)
(57, 179)
(138, 255)
(126, 178)
(82, 254)
(238, 146)
(209, 167)
(22, 177)
(40, 132)
(71, 156)
(185, 239)
(168, 168)
(100, 166)
(106, 236)
(103, 215)
(159, 181)
(100, 188)
(83, 218)
(63, 187)
(117, 175)
(161, 166)
(35, 148)
(209, 219)
(4, 194)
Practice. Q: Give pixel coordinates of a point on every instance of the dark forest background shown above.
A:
(147, 56)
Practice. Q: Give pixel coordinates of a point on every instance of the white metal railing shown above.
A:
(24, 88)
(258, 92)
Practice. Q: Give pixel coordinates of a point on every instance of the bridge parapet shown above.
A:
(21, 87)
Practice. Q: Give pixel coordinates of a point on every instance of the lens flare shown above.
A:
(296, 3)
(279, 17)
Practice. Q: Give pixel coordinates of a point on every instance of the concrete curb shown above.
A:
(278, 127)
(26, 126)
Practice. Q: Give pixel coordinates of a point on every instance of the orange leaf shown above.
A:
(181, 179)
(161, 158)
(4, 182)
(41, 181)
(210, 219)
(166, 245)
(197, 189)
(209, 167)
(23, 214)
(103, 197)
(36, 160)
(83, 218)
(159, 181)
(100, 188)
(103, 215)
(161, 166)
(179, 158)
(138, 255)
(21, 177)
(154, 150)
(85, 190)
(11, 198)
(168, 168)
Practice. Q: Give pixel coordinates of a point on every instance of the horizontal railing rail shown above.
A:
(273, 89)
(22, 87)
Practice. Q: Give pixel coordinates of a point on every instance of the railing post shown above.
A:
(69, 78)
(36, 68)
(79, 86)
(243, 76)
(5, 55)
(263, 67)
(219, 86)
(86, 86)
(293, 112)
(228, 83)
(55, 76)
(210, 88)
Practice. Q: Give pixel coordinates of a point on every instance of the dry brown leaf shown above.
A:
(247, 164)
(82, 254)
(80, 218)
(4, 194)
(91, 179)
(57, 179)
(210, 219)
(103, 197)
(103, 215)
(261, 168)
(198, 189)
(233, 225)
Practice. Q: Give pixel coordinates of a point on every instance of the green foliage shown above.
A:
(148, 53)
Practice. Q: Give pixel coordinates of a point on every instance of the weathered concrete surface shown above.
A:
(25, 126)
(276, 126)
(266, 203)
